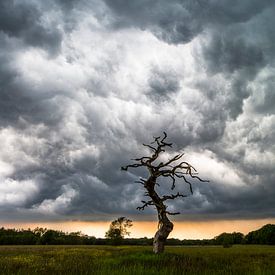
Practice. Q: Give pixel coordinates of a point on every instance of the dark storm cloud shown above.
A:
(169, 21)
(19, 99)
(267, 102)
(228, 25)
(228, 54)
(11, 100)
(23, 20)
(180, 21)
(69, 122)
(163, 84)
(23, 25)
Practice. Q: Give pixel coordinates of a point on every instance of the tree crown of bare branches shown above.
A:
(169, 169)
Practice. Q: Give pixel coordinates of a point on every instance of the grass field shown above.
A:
(136, 260)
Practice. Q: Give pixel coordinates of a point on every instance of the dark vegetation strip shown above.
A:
(43, 236)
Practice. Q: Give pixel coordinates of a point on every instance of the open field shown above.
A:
(136, 260)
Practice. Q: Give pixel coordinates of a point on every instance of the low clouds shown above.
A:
(84, 83)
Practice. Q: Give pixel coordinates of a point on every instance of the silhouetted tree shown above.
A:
(170, 169)
(238, 237)
(228, 239)
(118, 230)
(264, 235)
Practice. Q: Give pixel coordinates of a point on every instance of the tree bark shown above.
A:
(165, 227)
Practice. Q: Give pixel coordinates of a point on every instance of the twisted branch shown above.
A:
(145, 204)
(172, 197)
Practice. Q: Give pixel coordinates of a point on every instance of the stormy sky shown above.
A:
(84, 83)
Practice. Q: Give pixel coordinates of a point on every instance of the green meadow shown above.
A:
(239, 259)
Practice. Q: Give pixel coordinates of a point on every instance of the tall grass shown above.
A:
(136, 260)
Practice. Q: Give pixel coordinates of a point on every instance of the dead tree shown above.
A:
(171, 169)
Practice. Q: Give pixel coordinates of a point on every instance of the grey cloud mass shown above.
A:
(84, 83)
(23, 20)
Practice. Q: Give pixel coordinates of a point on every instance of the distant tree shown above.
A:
(118, 230)
(52, 237)
(238, 237)
(13, 236)
(228, 239)
(264, 235)
(171, 169)
(225, 239)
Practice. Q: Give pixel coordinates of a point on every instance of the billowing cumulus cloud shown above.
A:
(84, 83)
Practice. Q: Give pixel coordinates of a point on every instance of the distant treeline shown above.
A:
(43, 236)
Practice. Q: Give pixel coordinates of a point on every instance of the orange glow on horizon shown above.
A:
(182, 230)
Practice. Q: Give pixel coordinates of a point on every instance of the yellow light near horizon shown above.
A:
(182, 230)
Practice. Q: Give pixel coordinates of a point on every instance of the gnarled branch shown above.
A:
(172, 196)
(172, 213)
(145, 204)
(135, 165)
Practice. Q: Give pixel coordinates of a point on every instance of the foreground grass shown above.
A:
(136, 260)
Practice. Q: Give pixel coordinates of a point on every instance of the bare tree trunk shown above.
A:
(170, 169)
(165, 227)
